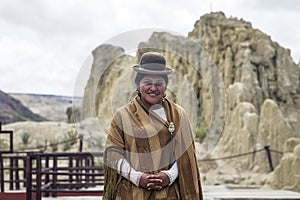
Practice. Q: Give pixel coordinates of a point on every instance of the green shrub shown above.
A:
(72, 136)
(54, 145)
(70, 139)
(201, 132)
(25, 138)
(3, 145)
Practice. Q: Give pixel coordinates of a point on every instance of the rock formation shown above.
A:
(287, 174)
(109, 63)
(258, 75)
(73, 114)
(232, 79)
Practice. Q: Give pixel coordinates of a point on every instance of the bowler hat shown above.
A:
(152, 63)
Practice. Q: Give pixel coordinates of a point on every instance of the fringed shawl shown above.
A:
(140, 136)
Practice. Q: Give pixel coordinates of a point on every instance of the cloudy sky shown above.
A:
(44, 43)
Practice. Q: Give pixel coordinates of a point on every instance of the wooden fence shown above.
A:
(52, 174)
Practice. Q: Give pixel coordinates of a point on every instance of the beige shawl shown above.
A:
(141, 137)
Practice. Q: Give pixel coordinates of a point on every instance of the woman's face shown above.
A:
(152, 88)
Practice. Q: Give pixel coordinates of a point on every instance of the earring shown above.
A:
(138, 92)
(163, 99)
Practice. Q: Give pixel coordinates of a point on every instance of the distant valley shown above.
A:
(51, 107)
(17, 107)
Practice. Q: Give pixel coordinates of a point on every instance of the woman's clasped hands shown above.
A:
(154, 181)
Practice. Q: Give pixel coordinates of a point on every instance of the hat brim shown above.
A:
(138, 69)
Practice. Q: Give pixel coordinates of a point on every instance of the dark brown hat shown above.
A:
(152, 63)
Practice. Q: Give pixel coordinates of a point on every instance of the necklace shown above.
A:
(161, 112)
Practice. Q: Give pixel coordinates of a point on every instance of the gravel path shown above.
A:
(221, 192)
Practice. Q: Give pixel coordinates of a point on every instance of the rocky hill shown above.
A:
(12, 110)
(240, 88)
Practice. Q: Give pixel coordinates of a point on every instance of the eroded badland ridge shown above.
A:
(261, 93)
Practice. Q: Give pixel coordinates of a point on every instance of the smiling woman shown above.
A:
(150, 153)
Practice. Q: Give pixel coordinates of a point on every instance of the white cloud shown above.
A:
(286, 5)
(44, 43)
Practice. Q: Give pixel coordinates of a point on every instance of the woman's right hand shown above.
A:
(148, 182)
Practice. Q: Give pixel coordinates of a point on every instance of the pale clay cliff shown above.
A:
(233, 80)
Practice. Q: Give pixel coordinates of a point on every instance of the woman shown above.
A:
(150, 152)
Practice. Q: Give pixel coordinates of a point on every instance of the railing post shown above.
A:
(87, 170)
(54, 194)
(38, 177)
(11, 173)
(93, 165)
(267, 148)
(78, 179)
(47, 179)
(28, 176)
(80, 142)
(17, 177)
(70, 170)
(24, 171)
(1, 171)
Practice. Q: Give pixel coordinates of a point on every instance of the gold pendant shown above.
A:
(171, 128)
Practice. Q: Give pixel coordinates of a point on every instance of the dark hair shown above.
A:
(140, 76)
